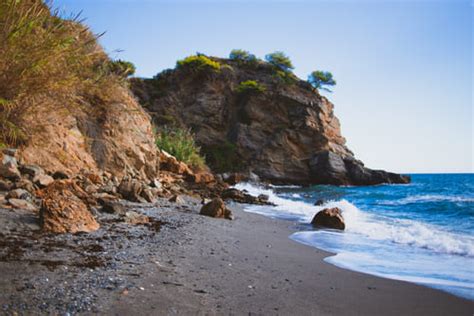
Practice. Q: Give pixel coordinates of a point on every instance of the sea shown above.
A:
(422, 232)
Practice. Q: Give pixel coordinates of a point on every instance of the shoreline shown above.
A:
(205, 266)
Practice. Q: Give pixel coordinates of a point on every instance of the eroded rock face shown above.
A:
(62, 211)
(216, 208)
(329, 218)
(275, 134)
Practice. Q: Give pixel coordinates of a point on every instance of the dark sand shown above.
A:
(202, 266)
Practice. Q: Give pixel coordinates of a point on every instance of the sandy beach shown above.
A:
(193, 265)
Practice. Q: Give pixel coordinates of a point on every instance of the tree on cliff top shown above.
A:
(279, 60)
(241, 55)
(319, 79)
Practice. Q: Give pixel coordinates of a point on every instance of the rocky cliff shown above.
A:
(284, 131)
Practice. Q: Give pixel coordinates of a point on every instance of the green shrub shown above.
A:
(241, 55)
(280, 61)
(223, 157)
(198, 63)
(286, 77)
(121, 68)
(180, 143)
(250, 86)
(320, 79)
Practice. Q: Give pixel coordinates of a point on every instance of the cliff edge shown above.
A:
(250, 117)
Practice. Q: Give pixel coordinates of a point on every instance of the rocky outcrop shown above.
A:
(279, 134)
(216, 208)
(329, 218)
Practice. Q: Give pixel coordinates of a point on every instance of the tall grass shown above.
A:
(46, 63)
(180, 143)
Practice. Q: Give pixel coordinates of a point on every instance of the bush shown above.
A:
(250, 86)
(180, 143)
(121, 68)
(279, 60)
(223, 157)
(242, 56)
(198, 63)
(320, 79)
(44, 60)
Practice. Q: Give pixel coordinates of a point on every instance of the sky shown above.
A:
(404, 68)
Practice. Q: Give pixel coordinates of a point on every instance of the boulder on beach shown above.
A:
(62, 211)
(329, 218)
(216, 208)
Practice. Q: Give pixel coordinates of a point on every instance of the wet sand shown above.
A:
(194, 265)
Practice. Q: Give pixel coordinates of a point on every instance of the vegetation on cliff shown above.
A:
(47, 63)
(320, 79)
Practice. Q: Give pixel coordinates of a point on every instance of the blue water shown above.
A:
(422, 232)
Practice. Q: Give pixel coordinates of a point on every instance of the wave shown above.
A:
(377, 227)
(429, 198)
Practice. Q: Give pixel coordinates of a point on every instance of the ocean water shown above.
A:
(422, 232)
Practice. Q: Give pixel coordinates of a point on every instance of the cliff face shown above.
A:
(287, 134)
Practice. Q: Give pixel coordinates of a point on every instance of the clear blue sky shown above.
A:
(404, 68)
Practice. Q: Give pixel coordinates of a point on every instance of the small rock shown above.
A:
(60, 175)
(216, 208)
(20, 194)
(43, 180)
(26, 185)
(114, 208)
(10, 151)
(330, 218)
(22, 204)
(5, 185)
(156, 184)
(135, 218)
(131, 190)
(31, 170)
(149, 194)
(263, 197)
(176, 199)
(9, 168)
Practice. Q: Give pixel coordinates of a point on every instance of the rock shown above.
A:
(60, 175)
(201, 177)
(5, 185)
(216, 208)
(103, 197)
(113, 207)
(26, 185)
(320, 202)
(22, 204)
(329, 218)
(171, 164)
(233, 178)
(43, 180)
(263, 197)
(9, 168)
(176, 199)
(62, 211)
(31, 170)
(10, 151)
(19, 194)
(148, 194)
(135, 218)
(131, 189)
(242, 197)
(91, 188)
(156, 184)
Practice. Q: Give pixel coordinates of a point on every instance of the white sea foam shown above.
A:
(429, 198)
(400, 231)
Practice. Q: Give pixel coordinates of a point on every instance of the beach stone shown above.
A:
(31, 170)
(263, 197)
(19, 194)
(26, 185)
(135, 218)
(9, 168)
(5, 185)
(60, 175)
(114, 207)
(329, 218)
(10, 151)
(43, 180)
(131, 189)
(149, 194)
(62, 211)
(22, 204)
(176, 199)
(216, 208)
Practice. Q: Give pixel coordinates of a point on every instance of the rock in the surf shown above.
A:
(329, 218)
